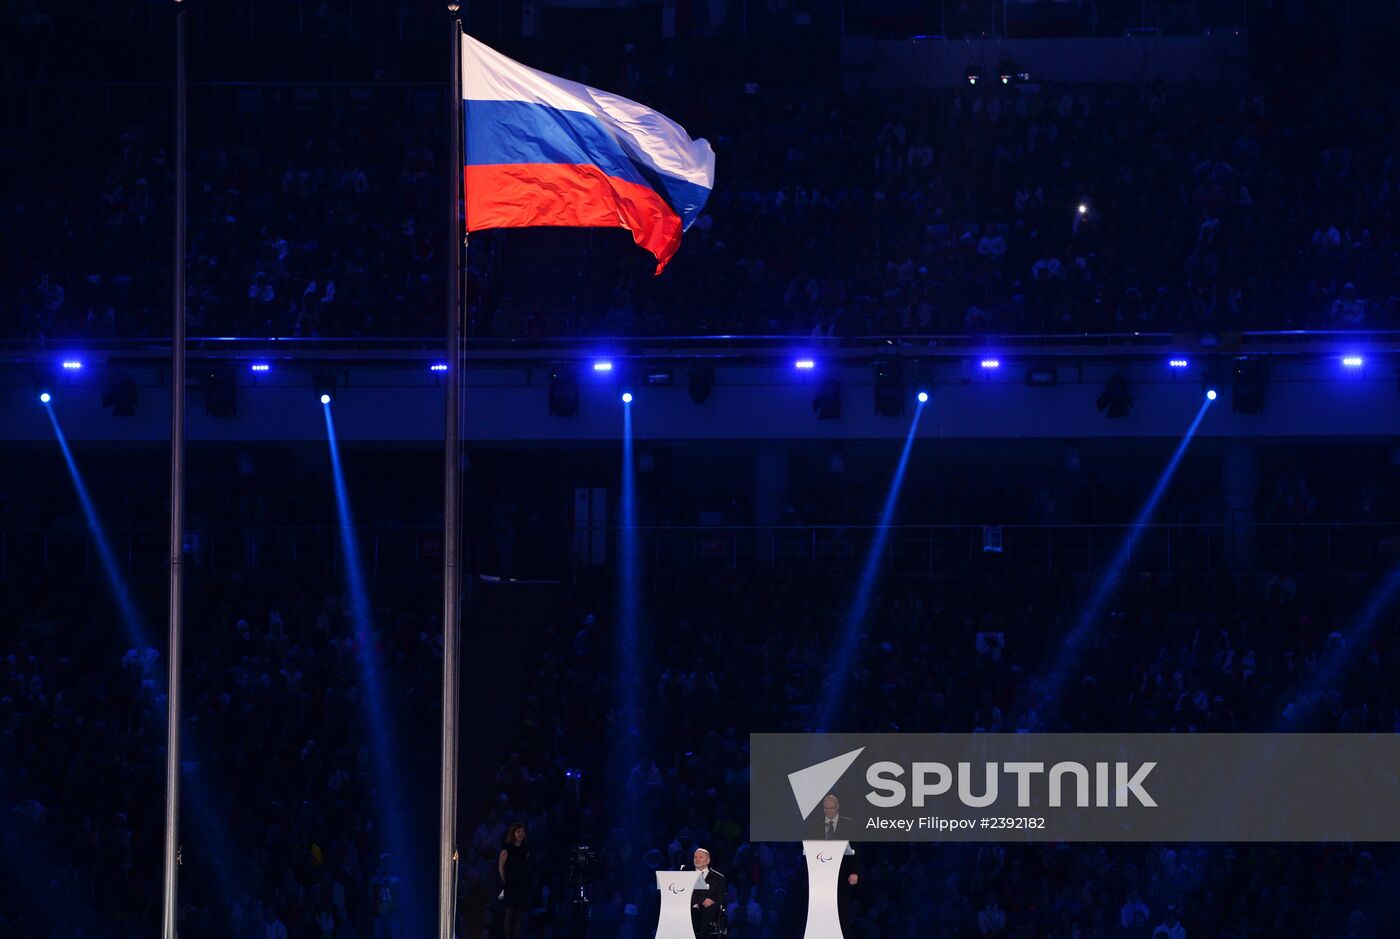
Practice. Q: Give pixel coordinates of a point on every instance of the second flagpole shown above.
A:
(452, 520)
(170, 887)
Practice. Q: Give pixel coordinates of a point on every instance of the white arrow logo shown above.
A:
(813, 784)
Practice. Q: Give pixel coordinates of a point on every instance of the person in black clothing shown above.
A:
(516, 880)
(831, 825)
(707, 912)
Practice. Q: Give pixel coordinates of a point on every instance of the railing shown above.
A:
(909, 550)
(915, 550)
(301, 550)
(1294, 343)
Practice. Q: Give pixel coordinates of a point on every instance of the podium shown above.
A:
(823, 881)
(677, 894)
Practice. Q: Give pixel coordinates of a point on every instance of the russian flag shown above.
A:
(542, 150)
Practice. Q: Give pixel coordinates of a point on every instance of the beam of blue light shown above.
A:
(627, 397)
(628, 614)
(45, 398)
(391, 808)
(1211, 394)
(842, 662)
(135, 632)
(1089, 615)
(209, 831)
(923, 397)
(1355, 640)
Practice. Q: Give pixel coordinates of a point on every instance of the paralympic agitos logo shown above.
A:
(1102, 784)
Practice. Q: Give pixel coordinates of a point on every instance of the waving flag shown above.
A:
(542, 150)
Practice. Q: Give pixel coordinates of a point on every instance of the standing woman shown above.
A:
(516, 878)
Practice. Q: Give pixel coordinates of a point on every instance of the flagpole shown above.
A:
(170, 908)
(452, 520)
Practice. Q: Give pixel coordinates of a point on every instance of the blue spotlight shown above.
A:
(843, 661)
(1211, 394)
(382, 746)
(72, 365)
(325, 398)
(45, 397)
(259, 367)
(1088, 616)
(1353, 361)
(602, 365)
(135, 633)
(438, 367)
(627, 397)
(991, 363)
(631, 658)
(923, 397)
(804, 365)
(205, 823)
(1178, 363)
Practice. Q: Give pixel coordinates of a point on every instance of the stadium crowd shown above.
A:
(282, 777)
(1030, 209)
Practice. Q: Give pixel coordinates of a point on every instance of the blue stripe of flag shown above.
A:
(522, 132)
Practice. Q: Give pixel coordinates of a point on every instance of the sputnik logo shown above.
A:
(811, 785)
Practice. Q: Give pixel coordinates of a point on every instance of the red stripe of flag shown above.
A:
(518, 195)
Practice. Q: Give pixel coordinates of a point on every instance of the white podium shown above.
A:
(823, 880)
(677, 894)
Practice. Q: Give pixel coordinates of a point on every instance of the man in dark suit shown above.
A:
(707, 911)
(831, 825)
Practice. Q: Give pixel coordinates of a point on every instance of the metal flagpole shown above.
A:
(177, 505)
(452, 521)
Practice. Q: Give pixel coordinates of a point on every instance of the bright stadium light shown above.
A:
(804, 365)
(1353, 361)
(438, 367)
(1210, 394)
(72, 365)
(627, 397)
(259, 367)
(602, 365)
(45, 397)
(325, 387)
(1178, 363)
(923, 397)
(991, 363)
